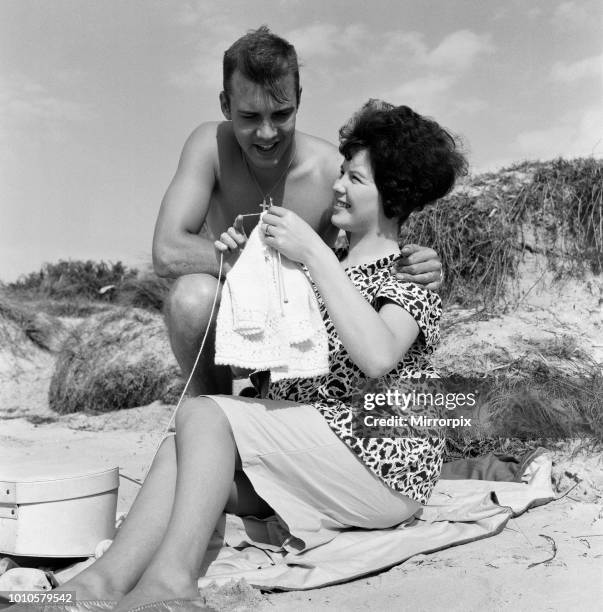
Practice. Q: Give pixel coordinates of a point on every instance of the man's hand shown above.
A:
(419, 265)
(231, 243)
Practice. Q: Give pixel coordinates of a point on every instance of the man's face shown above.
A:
(263, 127)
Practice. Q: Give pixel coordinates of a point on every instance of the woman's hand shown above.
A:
(231, 242)
(290, 235)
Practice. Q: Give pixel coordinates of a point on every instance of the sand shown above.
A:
(491, 574)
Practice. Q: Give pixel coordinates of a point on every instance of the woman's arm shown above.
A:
(375, 341)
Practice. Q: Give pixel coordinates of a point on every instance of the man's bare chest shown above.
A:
(244, 197)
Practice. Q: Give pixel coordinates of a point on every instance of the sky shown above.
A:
(98, 96)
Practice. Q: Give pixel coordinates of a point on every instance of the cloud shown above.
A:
(326, 40)
(422, 93)
(568, 13)
(576, 14)
(447, 64)
(589, 67)
(192, 14)
(26, 104)
(213, 33)
(320, 39)
(469, 105)
(459, 50)
(401, 55)
(533, 12)
(333, 53)
(428, 95)
(579, 134)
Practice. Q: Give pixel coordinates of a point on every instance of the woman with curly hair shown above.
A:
(295, 454)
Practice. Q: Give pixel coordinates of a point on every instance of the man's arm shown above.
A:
(177, 247)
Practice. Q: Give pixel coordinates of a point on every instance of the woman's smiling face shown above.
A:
(357, 203)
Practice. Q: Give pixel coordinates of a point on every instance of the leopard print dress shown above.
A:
(410, 465)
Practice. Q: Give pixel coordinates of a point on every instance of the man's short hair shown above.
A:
(263, 58)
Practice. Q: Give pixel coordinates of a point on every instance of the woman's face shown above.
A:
(357, 203)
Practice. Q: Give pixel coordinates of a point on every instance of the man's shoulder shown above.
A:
(317, 155)
(207, 137)
(315, 146)
(204, 135)
(209, 145)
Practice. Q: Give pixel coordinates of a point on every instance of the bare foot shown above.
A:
(152, 588)
(89, 585)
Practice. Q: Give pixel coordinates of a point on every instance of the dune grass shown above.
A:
(41, 329)
(533, 401)
(82, 288)
(73, 279)
(146, 291)
(483, 229)
(115, 360)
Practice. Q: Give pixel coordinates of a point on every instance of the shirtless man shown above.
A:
(229, 168)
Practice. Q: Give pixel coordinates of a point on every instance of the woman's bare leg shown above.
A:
(119, 569)
(206, 455)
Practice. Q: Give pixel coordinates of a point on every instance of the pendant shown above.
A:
(266, 205)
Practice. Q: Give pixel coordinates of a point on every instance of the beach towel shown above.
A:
(458, 512)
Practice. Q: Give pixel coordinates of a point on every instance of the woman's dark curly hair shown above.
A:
(414, 160)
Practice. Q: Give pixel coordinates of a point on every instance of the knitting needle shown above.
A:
(281, 285)
(276, 263)
(249, 215)
(280, 279)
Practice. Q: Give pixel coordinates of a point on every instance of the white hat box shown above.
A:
(53, 510)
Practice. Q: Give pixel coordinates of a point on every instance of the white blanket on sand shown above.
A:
(459, 511)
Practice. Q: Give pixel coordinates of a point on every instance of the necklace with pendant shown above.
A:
(266, 197)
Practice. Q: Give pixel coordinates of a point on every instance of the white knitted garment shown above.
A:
(255, 330)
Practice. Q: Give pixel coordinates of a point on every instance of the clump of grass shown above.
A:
(531, 403)
(120, 359)
(473, 238)
(43, 330)
(458, 447)
(563, 347)
(143, 291)
(36, 419)
(535, 397)
(73, 308)
(73, 279)
(482, 230)
(84, 288)
(564, 203)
